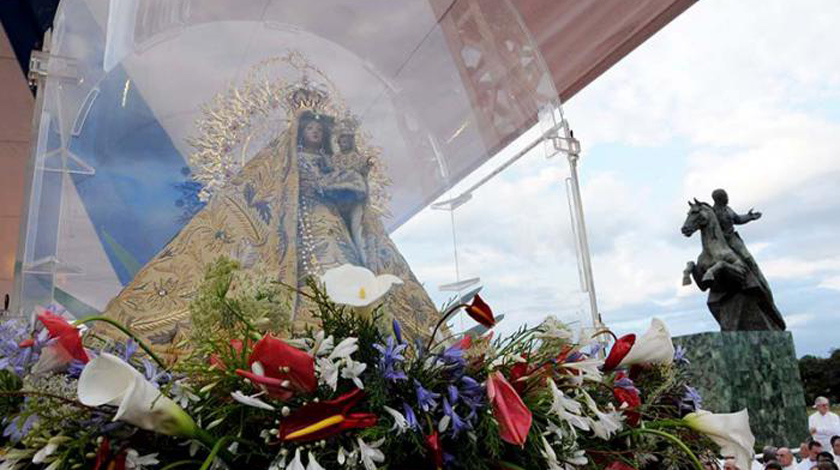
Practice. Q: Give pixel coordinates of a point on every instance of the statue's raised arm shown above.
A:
(739, 219)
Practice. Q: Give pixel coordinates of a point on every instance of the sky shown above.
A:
(740, 95)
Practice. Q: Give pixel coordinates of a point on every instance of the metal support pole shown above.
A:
(572, 150)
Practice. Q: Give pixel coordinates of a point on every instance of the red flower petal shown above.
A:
(274, 387)
(119, 461)
(619, 465)
(66, 334)
(465, 343)
(620, 349)
(284, 362)
(622, 395)
(519, 370)
(480, 312)
(319, 420)
(513, 416)
(102, 453)
(433, 443)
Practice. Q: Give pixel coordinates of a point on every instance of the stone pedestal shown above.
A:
(756, 370)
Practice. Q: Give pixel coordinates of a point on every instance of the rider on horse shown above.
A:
(728, 218)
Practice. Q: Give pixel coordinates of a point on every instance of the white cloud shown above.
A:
(830, 283)
(799, 268)
(798, 320)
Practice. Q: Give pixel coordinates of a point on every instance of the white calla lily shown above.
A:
(653, 347)
(731, 431)
(108, 380)
(357, 286)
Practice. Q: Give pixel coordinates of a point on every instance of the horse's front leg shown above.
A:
(698, 275)
(709, 276)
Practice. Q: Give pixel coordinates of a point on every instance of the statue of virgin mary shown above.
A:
(295, 209)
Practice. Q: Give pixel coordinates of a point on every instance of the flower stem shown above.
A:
(674, 439)
(180, 463)
(217, 447)
(205, 438)
(128, 333)
(446, 315)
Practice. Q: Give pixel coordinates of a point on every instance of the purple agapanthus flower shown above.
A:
(691, 401)
(595, 349)
(453, 355)
(575, 357)
(75, 368)
(457, 424)
(426, 399)
(12, 356)
(454, 395)
(154, 375)
(454, 362)
(131, 348)
(410, 417)
(16, 430)
(472, 395)
(391, 354)
(680, 356)
(397, 331)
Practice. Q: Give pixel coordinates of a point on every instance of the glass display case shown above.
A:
(412, 137)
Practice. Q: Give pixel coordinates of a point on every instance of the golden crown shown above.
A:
(347, 125)
(307, 96)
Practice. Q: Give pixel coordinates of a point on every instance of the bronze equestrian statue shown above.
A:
(739, 295)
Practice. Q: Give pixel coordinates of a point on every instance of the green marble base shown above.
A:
(756, 370)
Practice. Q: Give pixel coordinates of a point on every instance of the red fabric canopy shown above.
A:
(581, 39)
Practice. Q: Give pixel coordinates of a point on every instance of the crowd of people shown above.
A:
(820, 452)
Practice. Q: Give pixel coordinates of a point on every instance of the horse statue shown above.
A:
(737, 298)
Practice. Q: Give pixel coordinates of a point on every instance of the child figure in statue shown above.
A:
(347, 174)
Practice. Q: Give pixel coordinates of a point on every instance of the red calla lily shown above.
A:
(286, 369)
(518, 371)
(620, 349)
(102, 453)
(119, 461)
(513, 416)
(480, 312)
(631, 397)
(523, 374)
(619, 465)
(319, 420)
(67, 336)
(435, 448)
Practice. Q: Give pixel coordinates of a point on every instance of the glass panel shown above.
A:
(294, 136)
